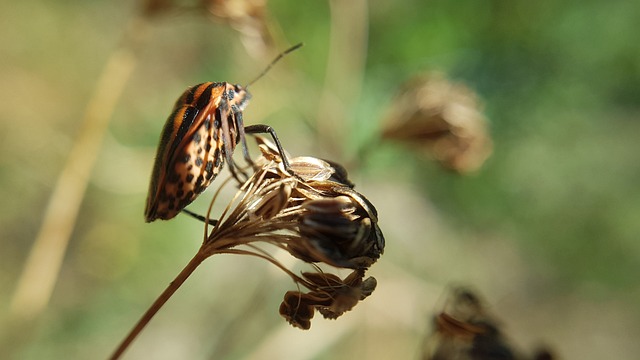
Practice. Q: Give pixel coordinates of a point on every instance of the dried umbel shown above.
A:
(465, 331)
(308, 208)
(443, 120)
(331, 296)
(316, 216)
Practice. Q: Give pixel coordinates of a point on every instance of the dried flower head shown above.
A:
(249, 18)
(317, 217)
(314, 214)
(465, 330)
(442, 119)
(331, 297)
(338, 233)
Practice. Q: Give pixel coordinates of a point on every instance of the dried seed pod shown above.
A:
(272, 202)
(345, 297)
(339, 232)
(464, 330)
(329, 295)
(443, 120)
(298, 308)
(312, 169)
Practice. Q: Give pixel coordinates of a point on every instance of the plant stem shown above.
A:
(346, 63)
(200, 256)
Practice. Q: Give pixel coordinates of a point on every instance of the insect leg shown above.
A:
(200, 217)
(241, 134)
(264, 129)
(227, 144)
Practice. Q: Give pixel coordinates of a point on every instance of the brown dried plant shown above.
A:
(442, 120)
(249, 18)
(465, 330)
(315, 215)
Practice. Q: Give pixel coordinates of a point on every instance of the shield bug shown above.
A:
(199, 136)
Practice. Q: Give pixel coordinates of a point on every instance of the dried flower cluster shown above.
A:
(316, 216)
(443, 120)
(464, 330)
(248, 17)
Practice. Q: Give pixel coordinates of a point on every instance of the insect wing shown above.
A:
(180, 171)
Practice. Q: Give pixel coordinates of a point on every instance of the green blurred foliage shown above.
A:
(551, 222)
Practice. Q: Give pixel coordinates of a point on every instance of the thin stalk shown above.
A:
(200, 256)
(344, 73)
(269, 258)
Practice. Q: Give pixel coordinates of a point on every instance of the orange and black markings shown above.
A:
(202, 130)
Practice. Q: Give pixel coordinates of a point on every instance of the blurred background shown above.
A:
(546, 230)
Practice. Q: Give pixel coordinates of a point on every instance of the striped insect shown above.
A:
(199, 136)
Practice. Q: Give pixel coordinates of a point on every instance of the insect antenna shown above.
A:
(280, 56)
